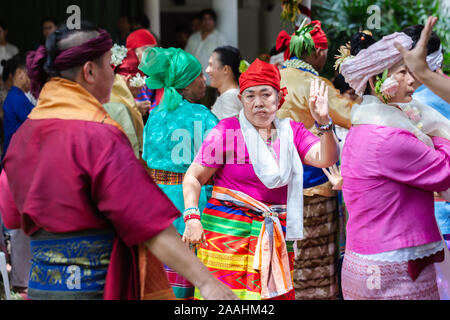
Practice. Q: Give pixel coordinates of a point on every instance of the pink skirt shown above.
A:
(364, 279)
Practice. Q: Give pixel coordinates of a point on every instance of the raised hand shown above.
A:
(416, 58)
(318, 102)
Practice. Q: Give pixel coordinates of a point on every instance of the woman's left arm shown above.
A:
(326, 153)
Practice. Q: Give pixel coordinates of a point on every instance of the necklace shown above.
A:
(301, 65)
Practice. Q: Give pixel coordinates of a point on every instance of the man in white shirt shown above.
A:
(7, 50)
(201, 45)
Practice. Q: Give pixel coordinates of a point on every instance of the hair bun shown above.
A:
(361, 40)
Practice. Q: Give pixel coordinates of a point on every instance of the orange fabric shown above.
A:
(154, 284)
(67, 100)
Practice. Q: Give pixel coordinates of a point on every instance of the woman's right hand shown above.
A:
(213, 289)
(194, 234)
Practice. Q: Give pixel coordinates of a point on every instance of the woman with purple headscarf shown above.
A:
(392, 162)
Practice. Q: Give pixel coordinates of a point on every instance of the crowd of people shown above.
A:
(132, 171)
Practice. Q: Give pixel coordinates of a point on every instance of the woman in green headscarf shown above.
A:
(175, 131)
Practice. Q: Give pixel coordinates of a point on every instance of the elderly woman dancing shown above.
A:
(395, 156)
(246, 231)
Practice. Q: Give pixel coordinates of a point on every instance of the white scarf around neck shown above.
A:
(373, 111)
(288, 171)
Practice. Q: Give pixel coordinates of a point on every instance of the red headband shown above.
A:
(261, 73)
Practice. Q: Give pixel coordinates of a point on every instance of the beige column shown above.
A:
(152, 8)
(227, 12)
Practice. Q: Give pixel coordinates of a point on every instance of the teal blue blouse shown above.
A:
(171, 142)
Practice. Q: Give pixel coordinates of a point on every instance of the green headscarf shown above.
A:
(170, 69)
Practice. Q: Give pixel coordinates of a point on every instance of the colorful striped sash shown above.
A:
(166, 177)
(271, 256)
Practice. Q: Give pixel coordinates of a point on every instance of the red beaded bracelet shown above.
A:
(191, 216)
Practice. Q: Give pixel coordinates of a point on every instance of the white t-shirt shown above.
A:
(203, 49)
(7, 52)
(227, 105)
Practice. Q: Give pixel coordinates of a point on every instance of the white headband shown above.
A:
(435, 59)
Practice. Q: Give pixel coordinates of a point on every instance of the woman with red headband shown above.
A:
(256, 160)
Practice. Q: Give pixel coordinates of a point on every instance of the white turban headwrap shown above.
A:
(374, 60)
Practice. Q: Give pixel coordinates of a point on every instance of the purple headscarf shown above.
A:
(66, 59)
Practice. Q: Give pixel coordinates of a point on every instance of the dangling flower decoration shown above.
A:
(138, 81)
(414, 115)
(386, 87)
(344, 54)
(119, 53)
(291, 8)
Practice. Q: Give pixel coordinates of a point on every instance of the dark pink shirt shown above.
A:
(70, 175)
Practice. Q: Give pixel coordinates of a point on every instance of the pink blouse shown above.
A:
(225, 149)
(389, 180)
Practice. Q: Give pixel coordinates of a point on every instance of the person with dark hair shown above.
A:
(72, 182)
(49, 25)
(427, 97)
(223, 70)
(173, 133)
(277, 57)
(141, 21)
(182, 34)
(16, 109)
(201, 45)
(435, 58)
(7, 50)
(16, 106)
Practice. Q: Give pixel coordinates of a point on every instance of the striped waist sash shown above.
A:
(271, 256)
(166, 177)
(69, 265)
(169, 178)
